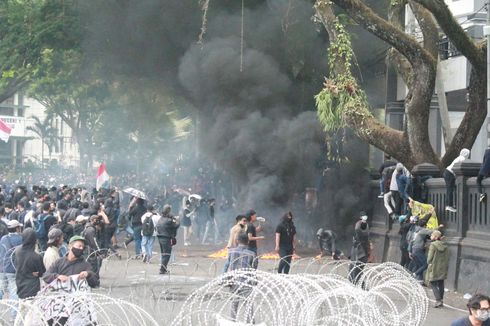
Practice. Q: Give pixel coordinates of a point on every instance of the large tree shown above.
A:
(342, 103)
(66, 85)
(27, 27)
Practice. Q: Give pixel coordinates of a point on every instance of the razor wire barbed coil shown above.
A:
(384, 294)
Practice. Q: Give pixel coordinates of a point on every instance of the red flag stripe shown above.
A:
(4, 127)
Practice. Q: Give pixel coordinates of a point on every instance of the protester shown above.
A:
(483, 173)
(241, 258)
(252, 231)
(211, 223)
(383, 170)
(55, 240)
(417, 250)
(149, 220)
(424, 211)
(285, 242)
(166, 232)
(438, 263)
(29, 266)
(388, 199)
(326, 241)
(450, 179)
(405, 225)
(479, 312)
(395, 193)
(241, 222)
(93, 235)
(188, 214)
(403, 183)
(360, 249)
(8, 244)
(42, 225)
(136, 210)
(73, 264)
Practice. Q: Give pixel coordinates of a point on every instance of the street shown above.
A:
(162, 296)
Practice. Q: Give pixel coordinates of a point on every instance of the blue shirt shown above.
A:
(7, 247)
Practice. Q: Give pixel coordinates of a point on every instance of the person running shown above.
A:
(285, 242)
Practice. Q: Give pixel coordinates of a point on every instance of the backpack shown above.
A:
(40, 228)
(148, 226)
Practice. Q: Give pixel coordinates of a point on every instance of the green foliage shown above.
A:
(340, 97)
(27, 28)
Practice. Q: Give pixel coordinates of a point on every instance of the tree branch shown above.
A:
(455, 32)
(385, 31)
(427, 26)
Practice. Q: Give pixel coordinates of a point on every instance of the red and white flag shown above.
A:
(5, 131)
(102, 178)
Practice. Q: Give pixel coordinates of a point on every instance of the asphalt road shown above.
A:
(163, 295)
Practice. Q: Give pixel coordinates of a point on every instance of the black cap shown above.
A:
(250, 212)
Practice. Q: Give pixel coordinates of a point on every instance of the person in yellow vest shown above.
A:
(421, 209)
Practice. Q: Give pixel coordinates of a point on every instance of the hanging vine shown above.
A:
(341, 98)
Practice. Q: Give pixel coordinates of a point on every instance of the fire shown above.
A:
(223, 253)
(274, 255)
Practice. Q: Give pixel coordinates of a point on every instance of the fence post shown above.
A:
(463, 171)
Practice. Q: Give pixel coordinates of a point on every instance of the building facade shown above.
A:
(26, 144)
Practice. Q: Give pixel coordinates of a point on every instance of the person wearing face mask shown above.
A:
(479, 312)
(360, 249)
(73, 264)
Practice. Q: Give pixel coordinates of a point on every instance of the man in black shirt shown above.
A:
(252, 233)
(285, 242)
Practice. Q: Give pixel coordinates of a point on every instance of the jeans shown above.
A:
(255, 263)
(147, 245)
(7, 285)
(209, 224)
(479, 179)
(389, 202)
(356, 270)
(285, 262)
(405, 259)
(450, 180)
(165, 252)
(398, 201)
(241, 296)
(438, 289)
(420, 259)
(137, 239)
